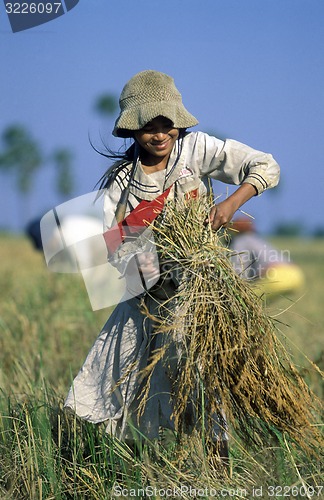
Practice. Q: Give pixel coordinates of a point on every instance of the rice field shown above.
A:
(47, 327)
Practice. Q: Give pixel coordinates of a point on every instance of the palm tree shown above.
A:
(21, 155)
(64, 181)
(106, 104)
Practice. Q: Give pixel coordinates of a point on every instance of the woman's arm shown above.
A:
(222, 213)
(232, 162)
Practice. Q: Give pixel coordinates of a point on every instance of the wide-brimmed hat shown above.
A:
(147, 95)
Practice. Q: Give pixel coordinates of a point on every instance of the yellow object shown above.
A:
(279, 279)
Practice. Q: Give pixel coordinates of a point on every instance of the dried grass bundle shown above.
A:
(231, 358)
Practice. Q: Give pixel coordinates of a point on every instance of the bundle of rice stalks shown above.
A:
(231, 359)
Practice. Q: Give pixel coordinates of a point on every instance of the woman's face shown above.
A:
(157, 137)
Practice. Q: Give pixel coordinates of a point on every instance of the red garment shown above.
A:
(143, 215)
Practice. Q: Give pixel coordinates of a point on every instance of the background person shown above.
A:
(269, 270)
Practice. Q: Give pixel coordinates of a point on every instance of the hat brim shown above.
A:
(133, 119)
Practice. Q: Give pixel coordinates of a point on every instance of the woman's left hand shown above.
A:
(222, 213)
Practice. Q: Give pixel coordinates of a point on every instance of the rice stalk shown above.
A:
(227, 343)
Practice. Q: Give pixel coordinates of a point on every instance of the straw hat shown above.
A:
(147, 95)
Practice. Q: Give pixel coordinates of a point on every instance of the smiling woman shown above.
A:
(165, 163)
(156, 139)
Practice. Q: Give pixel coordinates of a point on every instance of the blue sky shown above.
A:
(251, 70)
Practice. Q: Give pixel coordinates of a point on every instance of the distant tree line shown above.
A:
(294, 229)
(22, 157)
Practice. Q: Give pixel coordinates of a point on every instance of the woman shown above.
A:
(164, 162)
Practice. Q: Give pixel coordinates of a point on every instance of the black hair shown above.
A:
(120, 159)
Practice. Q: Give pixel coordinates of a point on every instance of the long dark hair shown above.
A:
(119, 158)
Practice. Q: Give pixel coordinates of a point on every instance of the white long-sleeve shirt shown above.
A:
(194, 158)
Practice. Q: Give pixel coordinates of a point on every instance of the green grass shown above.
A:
(46, 329)
(301, 314)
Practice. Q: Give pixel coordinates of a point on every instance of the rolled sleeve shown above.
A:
(263, 172)
(237, 163)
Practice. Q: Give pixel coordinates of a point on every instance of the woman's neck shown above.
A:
(151, 164)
